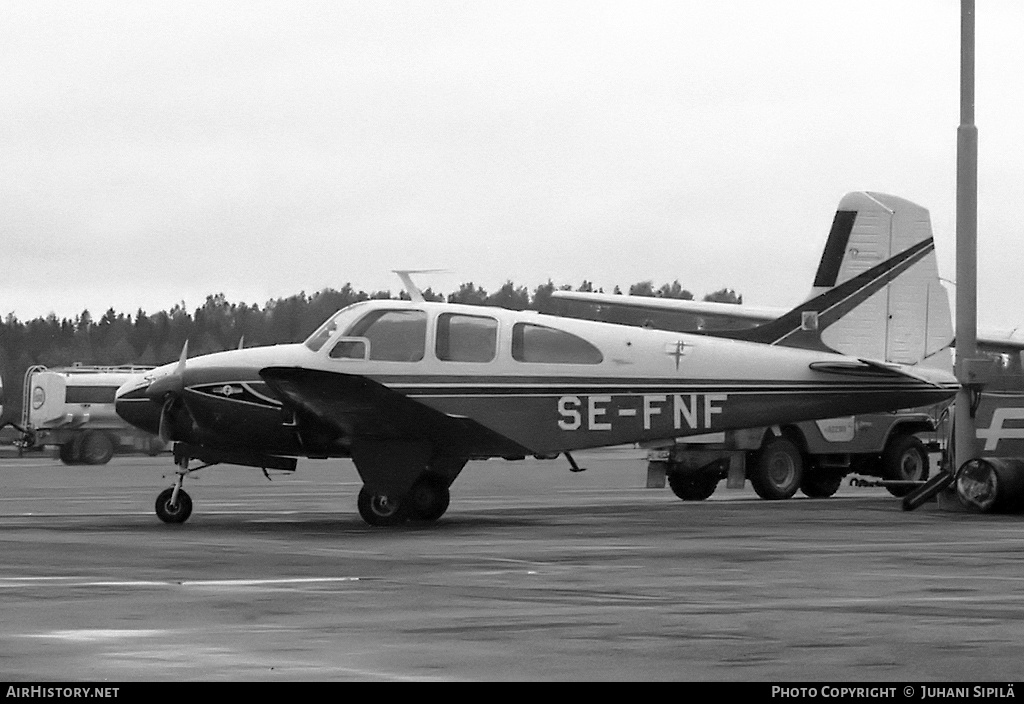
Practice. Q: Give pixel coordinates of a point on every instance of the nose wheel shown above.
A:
(171, 509)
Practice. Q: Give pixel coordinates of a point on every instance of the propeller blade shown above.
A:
(166, 421)
(172, 383)
(180, 369)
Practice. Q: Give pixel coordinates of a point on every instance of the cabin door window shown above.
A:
(466, 338)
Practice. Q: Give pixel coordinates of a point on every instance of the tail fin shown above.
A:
(876, 293)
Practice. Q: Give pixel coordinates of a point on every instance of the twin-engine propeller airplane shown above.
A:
(412, 390)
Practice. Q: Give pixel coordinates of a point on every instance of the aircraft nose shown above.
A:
(167, 384)
(134, 405)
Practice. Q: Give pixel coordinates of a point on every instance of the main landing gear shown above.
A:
(427, 500)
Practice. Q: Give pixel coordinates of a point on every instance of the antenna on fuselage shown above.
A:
(412, 289)
(573, 467)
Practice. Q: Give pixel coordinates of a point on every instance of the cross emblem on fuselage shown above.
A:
(676, 351)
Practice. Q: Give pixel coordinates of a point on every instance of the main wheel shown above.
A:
(97, 447)
(904, 459)
(778, 469)
(173, 513)
(690, 486)
(428, 499)
(378, 509)
(820, 484)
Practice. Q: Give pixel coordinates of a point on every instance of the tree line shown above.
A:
(153, 339)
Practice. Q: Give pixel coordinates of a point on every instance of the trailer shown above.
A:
(812, 456)
(72, 409)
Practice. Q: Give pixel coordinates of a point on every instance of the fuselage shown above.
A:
(547, 384)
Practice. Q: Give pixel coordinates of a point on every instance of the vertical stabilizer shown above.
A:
(909, 320)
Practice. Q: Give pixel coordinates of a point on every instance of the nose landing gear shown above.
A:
(174, 505)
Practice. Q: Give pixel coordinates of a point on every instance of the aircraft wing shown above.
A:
(358, 408)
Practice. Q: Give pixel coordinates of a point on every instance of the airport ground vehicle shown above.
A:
(72, 408)
(810, 456)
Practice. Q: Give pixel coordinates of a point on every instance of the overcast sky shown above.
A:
(158, 152)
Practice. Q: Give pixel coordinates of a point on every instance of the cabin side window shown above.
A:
(394, 335)
(466, 338)
(540, 344)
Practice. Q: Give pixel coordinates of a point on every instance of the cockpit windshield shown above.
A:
(340, 320)
(397, 335)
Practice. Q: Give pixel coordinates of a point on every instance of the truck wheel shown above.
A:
(778, 469)
(689, 486)
(821, 484)
(97, 447)
(67, 453)
(904, 459)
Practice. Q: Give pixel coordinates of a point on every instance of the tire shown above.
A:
(67, 453)
(904, 459)
(169, 513)
(778, 469)
(379, 510)
(428, 499)
(690, 486)
(97, 447)
(821, 484)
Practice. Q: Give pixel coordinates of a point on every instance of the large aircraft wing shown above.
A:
(1000, 345)
(646, 305)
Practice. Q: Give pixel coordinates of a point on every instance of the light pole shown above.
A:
(966, 244)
